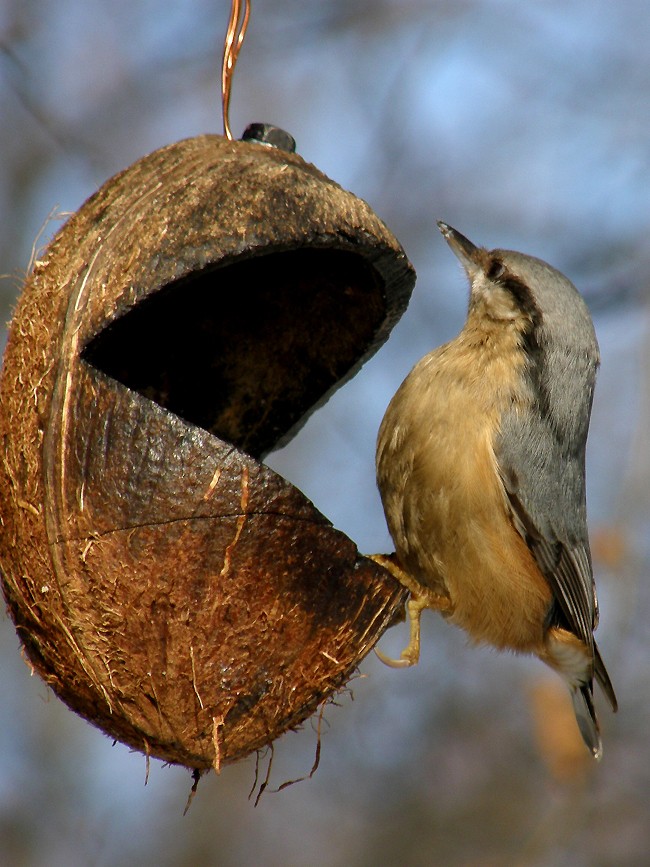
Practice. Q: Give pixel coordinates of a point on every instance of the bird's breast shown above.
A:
(445, 504)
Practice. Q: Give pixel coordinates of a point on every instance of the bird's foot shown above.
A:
(421, 597)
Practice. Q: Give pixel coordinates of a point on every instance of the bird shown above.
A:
(481, 471)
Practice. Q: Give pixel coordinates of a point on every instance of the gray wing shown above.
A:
(541, 458)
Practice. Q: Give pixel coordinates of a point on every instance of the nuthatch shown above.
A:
(481, 470)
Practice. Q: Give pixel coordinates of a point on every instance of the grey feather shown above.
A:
(583, 707)
(541, 457)
(541, 453)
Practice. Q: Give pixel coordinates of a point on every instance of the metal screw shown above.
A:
(269, 135)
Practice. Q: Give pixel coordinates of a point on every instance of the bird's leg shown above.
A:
(421, 597)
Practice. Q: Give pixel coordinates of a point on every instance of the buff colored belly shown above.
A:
(445, 504)
(464, 541)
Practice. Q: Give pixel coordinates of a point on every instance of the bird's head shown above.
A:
(510, 288)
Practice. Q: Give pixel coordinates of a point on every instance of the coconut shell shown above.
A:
(168, 586)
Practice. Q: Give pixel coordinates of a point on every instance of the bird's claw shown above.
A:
(421, 597)
(408, 657)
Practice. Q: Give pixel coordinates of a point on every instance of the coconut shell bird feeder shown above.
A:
(186, 320)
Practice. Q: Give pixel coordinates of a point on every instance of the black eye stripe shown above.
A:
(524, 298)
(499, 274)
(496, 270)
(518, 290)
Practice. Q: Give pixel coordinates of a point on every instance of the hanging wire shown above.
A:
(239, 14)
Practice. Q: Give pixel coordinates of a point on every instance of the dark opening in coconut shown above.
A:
(245, 350)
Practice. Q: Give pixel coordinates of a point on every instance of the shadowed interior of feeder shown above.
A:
(245, 350)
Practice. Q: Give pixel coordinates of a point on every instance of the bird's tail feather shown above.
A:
(583, 706)
(604, 682)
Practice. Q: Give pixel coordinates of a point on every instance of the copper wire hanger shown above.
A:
(239, 15)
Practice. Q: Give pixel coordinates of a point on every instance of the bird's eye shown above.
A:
(496, 270)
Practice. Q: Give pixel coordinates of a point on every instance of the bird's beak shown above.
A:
(468, 254)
